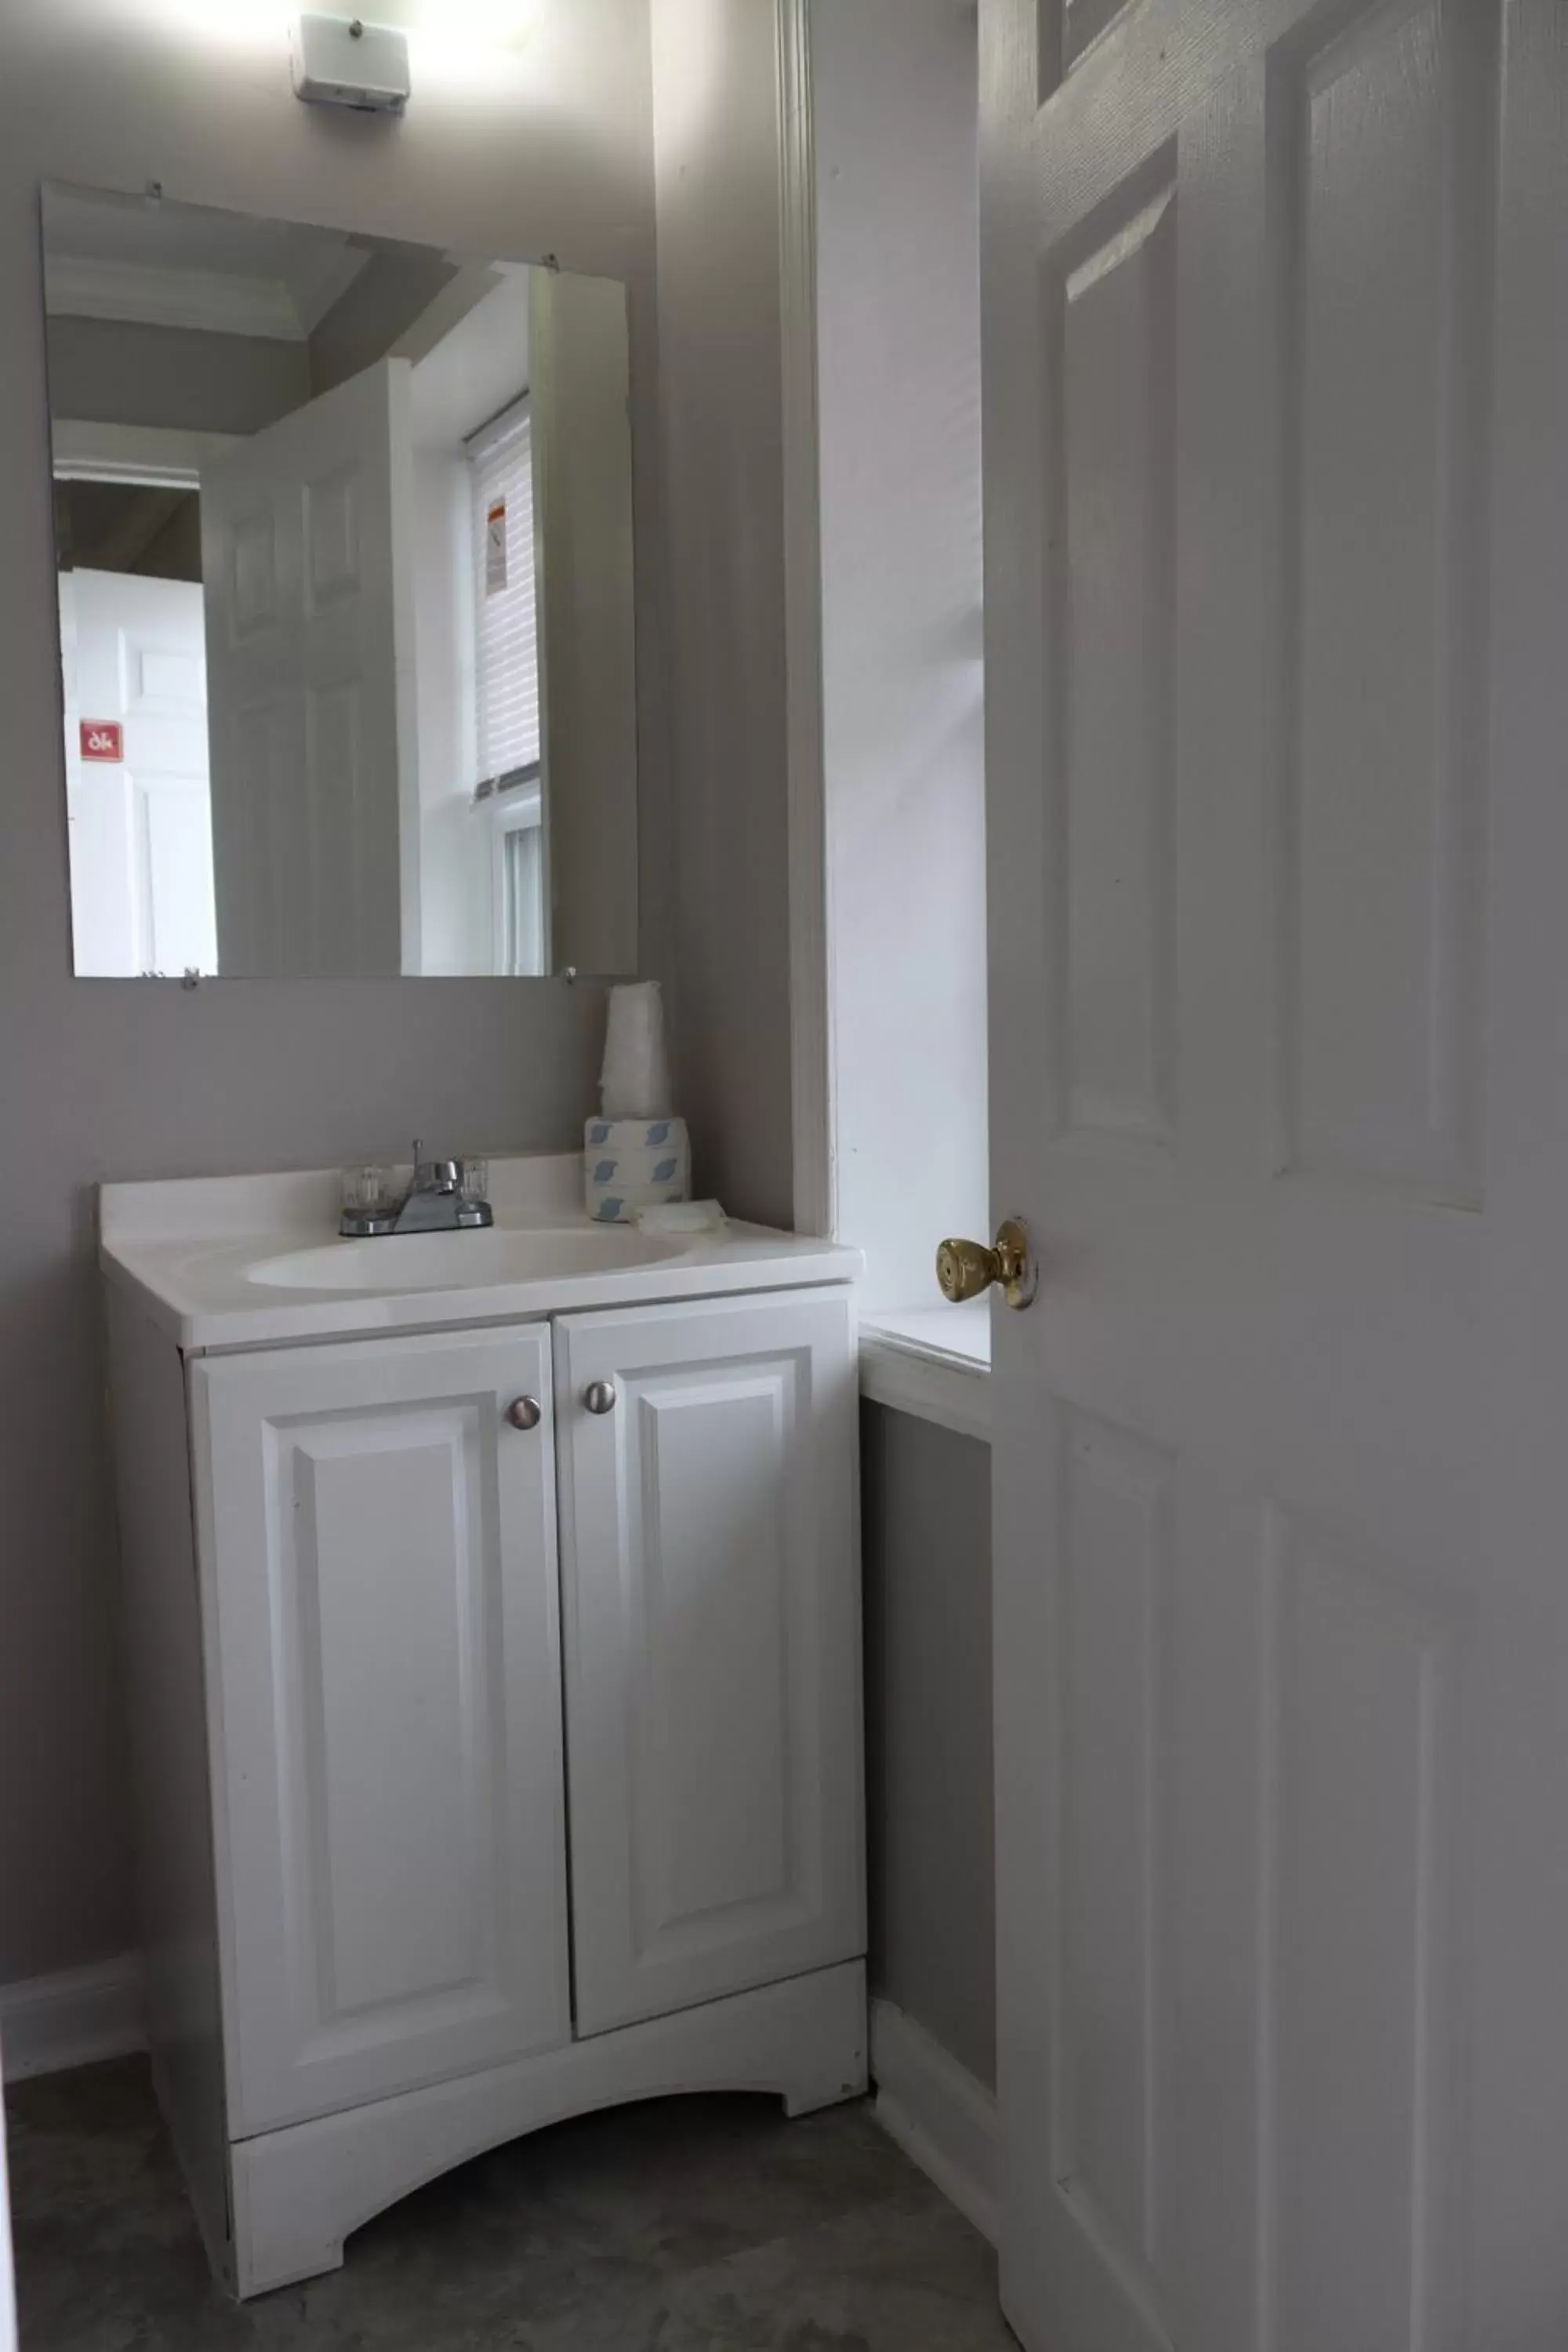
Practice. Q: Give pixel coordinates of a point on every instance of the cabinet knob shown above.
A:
(599, 1396)
(524, 1412)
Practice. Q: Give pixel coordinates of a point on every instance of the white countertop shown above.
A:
(185, 1249)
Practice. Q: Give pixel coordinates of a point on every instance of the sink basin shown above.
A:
(463, 1261)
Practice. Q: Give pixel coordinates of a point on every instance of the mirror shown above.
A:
(345, 563)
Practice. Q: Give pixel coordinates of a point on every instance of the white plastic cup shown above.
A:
(635, 1081)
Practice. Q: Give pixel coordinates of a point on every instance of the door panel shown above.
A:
(1112, 1913)
(1276, 349)
(381, 1569)
(1113, 365)
(380, 1545)
(140, 827)
(1380, 161)
(306, 556)
(1356, 1839)
(712, 1644)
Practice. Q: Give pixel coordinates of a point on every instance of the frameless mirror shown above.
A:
(345, 563)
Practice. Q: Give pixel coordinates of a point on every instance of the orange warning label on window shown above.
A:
(495, 547)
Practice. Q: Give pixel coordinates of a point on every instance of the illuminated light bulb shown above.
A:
(475, 24)
(471, 47)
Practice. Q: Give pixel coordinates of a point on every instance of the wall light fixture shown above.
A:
(343, 61)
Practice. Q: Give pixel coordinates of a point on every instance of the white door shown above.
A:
(378, 1554)
(307, 557)
(710, 1588)
(1276, 322)
(132, 659)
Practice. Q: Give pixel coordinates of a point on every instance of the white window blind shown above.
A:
(522, 901)
(508, 667)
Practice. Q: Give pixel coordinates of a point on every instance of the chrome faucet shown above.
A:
(435, 1203)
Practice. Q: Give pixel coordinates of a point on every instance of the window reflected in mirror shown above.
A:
(345, 600)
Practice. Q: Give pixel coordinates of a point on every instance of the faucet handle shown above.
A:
(435, 1175)
(473, 1185)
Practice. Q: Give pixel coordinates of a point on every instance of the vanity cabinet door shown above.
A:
(710, 1590)
(380, 1585)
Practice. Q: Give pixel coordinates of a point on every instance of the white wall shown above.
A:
(899, 369)
(552, 153)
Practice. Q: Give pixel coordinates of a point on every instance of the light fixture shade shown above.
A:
(343, 61)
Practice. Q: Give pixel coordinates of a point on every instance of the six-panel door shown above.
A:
(711, 1611)
(379, 1565)
(1276, 363)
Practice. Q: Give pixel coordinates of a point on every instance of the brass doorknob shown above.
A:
(964, 1269)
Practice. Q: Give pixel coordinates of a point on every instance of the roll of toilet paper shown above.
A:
(634, 1163)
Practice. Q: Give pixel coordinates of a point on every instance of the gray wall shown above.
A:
(114, 372)
(392, 290)
(135, 1078)
(927, 1504)
(898, 284)
(715, 108)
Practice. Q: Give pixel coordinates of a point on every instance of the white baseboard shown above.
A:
(71, 2019)
(942, 2118)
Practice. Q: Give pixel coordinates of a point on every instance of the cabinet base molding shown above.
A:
(298, 2192)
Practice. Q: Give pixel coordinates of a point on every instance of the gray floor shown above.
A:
(691, 2225)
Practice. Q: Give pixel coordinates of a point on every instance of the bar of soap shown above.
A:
(683, 1217)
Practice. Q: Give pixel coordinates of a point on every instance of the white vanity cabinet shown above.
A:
(497, 1755)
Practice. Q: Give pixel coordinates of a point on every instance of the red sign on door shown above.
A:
(102, 739)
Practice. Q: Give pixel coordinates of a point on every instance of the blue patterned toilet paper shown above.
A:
(634, 1163)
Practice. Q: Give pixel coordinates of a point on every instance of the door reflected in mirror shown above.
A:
(346, 565)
